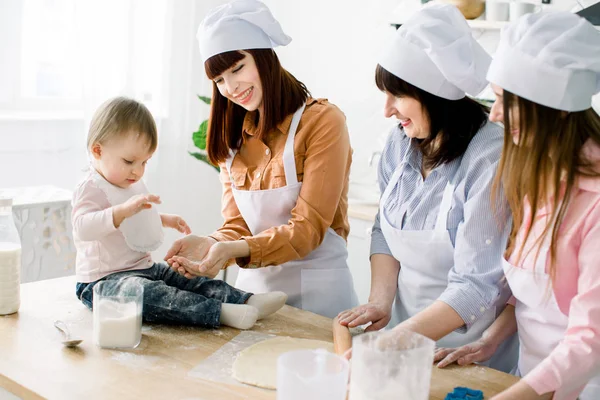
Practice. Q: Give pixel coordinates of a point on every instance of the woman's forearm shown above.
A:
(384, 279)
(439, 319)
(435, 321)
(522, 391)
(503, 327)
(238, 248)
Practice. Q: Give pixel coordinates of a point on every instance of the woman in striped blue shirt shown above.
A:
(437, 243)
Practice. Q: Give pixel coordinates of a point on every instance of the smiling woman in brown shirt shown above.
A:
(285, 159)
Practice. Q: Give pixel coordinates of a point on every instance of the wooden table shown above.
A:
(34, 365)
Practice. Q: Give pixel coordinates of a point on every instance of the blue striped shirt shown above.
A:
(477, 230)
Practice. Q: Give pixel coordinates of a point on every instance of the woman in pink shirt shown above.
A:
(544, 74)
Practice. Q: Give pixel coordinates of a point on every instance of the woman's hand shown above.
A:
(378, 314)
(479, 351)
(189, 250)
(175, 222)
(220, 254)
(213, 258)
(482, 350)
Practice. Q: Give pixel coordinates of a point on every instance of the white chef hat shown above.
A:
(435, 51)
(239, 25)
(551, 58)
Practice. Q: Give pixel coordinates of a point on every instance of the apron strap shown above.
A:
(442, 219)
(229, 162)
(392, 183)
(441, 223)
(289, 161)
(540, 265)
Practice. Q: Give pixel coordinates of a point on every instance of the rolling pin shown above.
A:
(342, 340)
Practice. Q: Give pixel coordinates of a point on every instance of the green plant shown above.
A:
(199, 138)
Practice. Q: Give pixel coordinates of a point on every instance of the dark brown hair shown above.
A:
(453, 123)
(118, 117)
(283, 94)
(543, 164)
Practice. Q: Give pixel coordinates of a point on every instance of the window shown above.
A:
(63, 54)
(49, 64)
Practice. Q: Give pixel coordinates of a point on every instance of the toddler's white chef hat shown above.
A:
(239, 25)
(435, 51)
(550, 58)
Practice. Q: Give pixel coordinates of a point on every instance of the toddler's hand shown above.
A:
(133, 206)
(175, 222)
(138, 203)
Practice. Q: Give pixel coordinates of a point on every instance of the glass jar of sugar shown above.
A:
(117, 313)
(10, 260)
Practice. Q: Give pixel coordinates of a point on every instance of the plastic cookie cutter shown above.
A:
(464, 393)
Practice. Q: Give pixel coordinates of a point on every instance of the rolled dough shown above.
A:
(257, 365)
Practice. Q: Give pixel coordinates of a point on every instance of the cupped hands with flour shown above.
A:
(116, 225)
(203, 256)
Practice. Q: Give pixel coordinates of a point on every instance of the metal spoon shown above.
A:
(68, 342)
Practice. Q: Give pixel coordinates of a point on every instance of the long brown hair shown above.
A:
(544, 164)
(453, 122)
(283, 94)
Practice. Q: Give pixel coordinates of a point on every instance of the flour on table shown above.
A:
(257, 365)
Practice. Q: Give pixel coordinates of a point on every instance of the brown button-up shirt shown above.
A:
(323, 156)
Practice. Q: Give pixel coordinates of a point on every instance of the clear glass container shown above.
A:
(312, 374)
(10, 260)
(391, 365)
(117, 313)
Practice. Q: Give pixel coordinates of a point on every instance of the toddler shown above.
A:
(115, 226)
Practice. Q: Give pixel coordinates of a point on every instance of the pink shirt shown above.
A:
(577, 286)
(101, 248)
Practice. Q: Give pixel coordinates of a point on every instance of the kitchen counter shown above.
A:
(34, 364)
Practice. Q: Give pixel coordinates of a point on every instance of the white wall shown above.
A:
(334, 52)
(187, 186)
